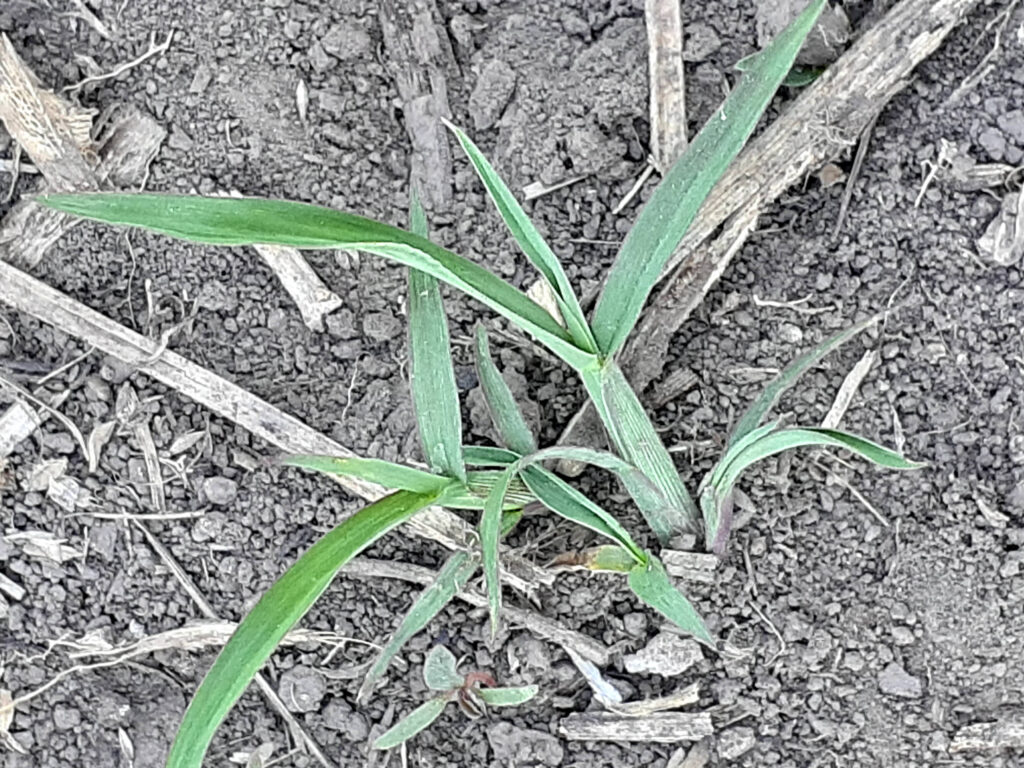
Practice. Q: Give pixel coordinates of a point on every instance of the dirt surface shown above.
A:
(852, 637)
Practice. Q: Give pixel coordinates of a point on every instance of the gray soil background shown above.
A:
(849, 642)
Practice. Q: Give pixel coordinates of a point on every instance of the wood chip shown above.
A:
(18, 422)
(667, 81)
(675, 700)
(848, 389)
(1002, 734)
(661, 727)
(313, 298)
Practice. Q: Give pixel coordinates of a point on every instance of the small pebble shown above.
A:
(894, 680)
(220, 490)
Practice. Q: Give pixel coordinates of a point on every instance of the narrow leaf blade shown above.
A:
(277, 612)
(432, 378)
(490, 531)
(451, 579)
(412, 723)
(392, 476)
(650, 582)
(505, 414)
(796, 437)
(770, 395)
(507, 697)
(529, 239)
(674, 204)
(249, 221)
(565, 501)
(636, 439)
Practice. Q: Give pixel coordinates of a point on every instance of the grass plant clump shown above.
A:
(499, 482)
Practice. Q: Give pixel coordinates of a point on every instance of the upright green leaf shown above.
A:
(490, 532)
(391, 476)
(674, 204)
(650, 582)
(530, 241)
(412, 723)
(249, 221)
(507, 697)
(505, 414)
(277, 612)
(635, 438)
(785, 439)
(450, 580)
(439, 672)
(431, 375)
(770, 395)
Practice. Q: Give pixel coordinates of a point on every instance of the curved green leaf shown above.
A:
(674, 204)
(249, 221)
(431, 375)
(770, 395)
(505, 414)
(784, 439)
(412, 723)
(650, 582)
(277, 612)
(391, 476)
(507, 697)
(479, 483)
(451, 579)
(530, 241)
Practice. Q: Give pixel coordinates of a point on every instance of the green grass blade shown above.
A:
(412, 723)
(636, 439)
(674, 204)
(505, 414)
(567, 502)
(770, 395)
(734, 450)
(439, 670)
(431, 375)
(456, 572)
(391, 476)
(785, 439)
(648, 498)
(507, 697)
(277, 612)
(490, 531)
(487, 456)
(248, 221)
(530, 241)
(650, 582)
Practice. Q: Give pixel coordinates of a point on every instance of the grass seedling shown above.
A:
(473, 693)
(500, 481)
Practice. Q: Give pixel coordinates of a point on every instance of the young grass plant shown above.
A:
(499, 481)
(473, 693)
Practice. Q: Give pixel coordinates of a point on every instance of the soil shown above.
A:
(849, 640)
